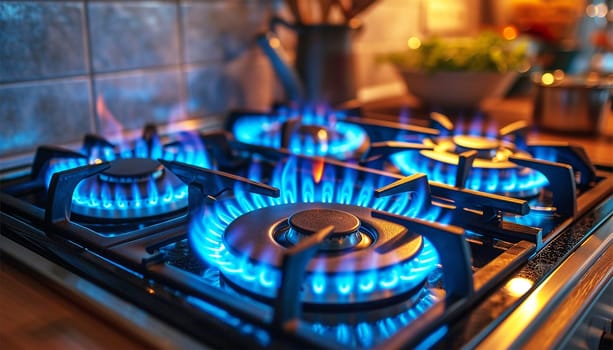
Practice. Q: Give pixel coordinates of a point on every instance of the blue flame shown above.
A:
(370, 333)
(265, 130)
(491, 180)
(545, 153)
(298, 184)
(106, 199)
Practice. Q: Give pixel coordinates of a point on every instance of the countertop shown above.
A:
(36, 316)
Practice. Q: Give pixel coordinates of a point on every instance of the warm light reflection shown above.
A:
(414, 43)
(525, 67)
(547, 79)
(322, 140)
(275, 43)
(558, 74)
(109, 125)
(509, 32)
(593, 78)
(599, 10)
(518, 286)
(355, 23)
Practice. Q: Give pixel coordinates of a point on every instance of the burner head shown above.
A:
(491, 170)
(135, 185)
(129, 170)
(130, 188)
(313, 133)
(486, 147)
(365, 261)
(307, 222)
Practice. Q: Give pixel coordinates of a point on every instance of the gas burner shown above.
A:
(309, 132)
(135, 185)
(130, 188)
(490, 169)
(361, 263)
(131, 170)
(346, 233)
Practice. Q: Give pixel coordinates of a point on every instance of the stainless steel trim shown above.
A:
(549, 312)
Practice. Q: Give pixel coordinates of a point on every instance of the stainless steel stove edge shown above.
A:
(544, 317)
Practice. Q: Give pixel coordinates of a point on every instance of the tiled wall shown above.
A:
(72, 67)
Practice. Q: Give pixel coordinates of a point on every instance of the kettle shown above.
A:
(324, 68)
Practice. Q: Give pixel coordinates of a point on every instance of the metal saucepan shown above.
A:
(573, 104)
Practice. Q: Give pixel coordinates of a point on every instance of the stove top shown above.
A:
(316, 229)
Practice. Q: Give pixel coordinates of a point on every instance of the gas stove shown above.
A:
(314, 228)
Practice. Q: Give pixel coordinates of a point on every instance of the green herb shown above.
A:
(486, 52)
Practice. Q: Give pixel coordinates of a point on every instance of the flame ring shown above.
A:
(385, 278)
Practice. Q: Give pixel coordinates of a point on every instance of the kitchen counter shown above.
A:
(45, 306)
(36, 316)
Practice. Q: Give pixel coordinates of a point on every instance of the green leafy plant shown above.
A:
(487, 52)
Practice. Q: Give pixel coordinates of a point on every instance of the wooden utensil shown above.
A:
(295, 10)
(325, 7)
(359, 6)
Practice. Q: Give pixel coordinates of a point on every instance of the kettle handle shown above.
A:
(275, 21)
(271, 46)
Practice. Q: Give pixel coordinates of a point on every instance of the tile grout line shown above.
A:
(94, 127)
(183, 89)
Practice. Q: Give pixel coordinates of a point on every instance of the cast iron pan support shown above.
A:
(288, 130)
(561, 183)
(441, 122)
(151, 138)
(92, 141)
(379, 150)
(517, 131)
(453, 250)
(207, 184)
(415, 184)
(43, 156)
(465, 164)
(448, 240)
(62, 187)
(570, 154)
(294, 262)
(218, 145)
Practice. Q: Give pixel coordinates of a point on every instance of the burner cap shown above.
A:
(387, 262)
(486, 147)
(128, 170)
(311, 221)
(307, 222)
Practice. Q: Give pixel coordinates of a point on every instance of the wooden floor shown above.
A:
(35, 316)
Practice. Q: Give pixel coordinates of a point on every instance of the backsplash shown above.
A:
(72, 67)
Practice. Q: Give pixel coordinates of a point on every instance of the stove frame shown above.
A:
(131, 266)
